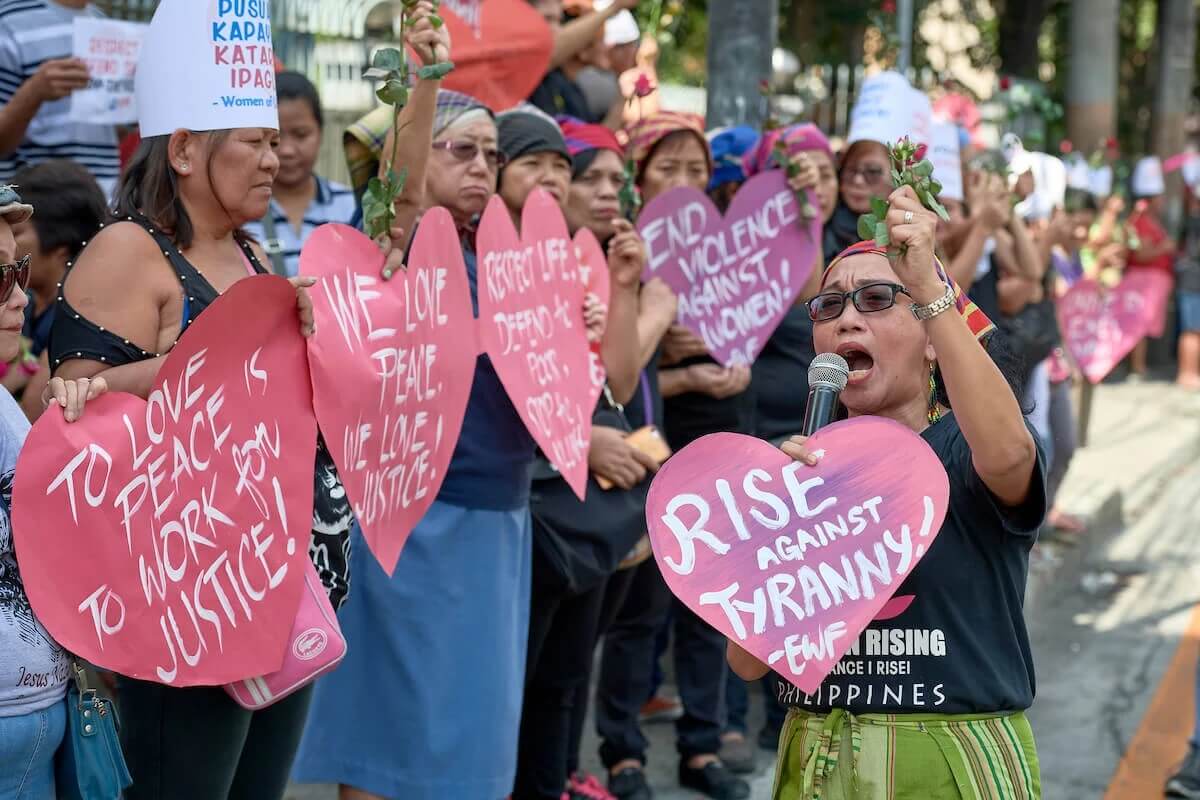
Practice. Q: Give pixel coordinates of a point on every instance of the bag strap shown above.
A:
(617, 407)
(272, 246)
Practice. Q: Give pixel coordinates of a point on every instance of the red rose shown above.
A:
(1005, 83)
(1111, 143)
(919, 153)
(764, 86)
(642, 86)
(1066, 147)
(888, 6)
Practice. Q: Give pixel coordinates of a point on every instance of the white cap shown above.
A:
(621, 29)
(1100, 180)
(886, 110)
(1079, 176)
(947, 160)
(1148, 177)
(203, 66)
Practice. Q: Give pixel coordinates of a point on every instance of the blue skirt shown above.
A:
(427, 704)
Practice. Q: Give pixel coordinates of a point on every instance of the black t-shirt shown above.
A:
(985, 291)
(780, 376)
(687, 417)
(781, 370)
(557, 94)
(961, 646)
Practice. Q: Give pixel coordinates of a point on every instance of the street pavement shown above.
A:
(1105, 614)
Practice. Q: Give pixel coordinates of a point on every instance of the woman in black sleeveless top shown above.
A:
(135, 289)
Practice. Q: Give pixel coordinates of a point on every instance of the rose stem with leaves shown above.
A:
(390, 65)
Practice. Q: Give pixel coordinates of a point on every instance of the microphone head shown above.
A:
(829, 369)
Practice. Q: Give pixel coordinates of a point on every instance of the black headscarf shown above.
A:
(525, 132)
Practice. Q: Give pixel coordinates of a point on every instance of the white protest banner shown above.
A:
(110, 48)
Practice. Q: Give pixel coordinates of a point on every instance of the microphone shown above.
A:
(827, 377)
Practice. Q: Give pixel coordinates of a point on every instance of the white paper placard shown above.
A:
(207, 65)
(110, 49)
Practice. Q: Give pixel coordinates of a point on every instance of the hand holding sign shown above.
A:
(164, 539)
(792, 561)
(736, 277)
(531, 325)
(392, 367)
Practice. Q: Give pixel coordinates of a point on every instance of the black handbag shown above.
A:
(578, 545)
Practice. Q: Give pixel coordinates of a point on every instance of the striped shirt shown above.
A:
(32, 32)
(333, 202)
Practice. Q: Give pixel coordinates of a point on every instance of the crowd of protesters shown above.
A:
(470, 669)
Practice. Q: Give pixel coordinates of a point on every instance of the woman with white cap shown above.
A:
(1155, 249)
(33, 668)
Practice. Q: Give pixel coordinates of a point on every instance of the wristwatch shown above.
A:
(943, 303)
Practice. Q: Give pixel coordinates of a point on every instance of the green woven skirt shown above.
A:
(840, 756)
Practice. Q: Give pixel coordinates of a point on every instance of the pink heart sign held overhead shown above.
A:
(735, 277)
(789, 561)
(392, 365)
(593, 273)
(1101, 326)
(166, 539)
(531, 325)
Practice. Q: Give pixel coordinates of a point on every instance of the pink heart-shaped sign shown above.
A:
(793, 562)
(593, 272)
(1101, 326)
(531, 325)
(735, 277)
(165, 539)
(392, 365)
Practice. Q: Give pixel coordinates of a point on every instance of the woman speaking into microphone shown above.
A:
(938, 704)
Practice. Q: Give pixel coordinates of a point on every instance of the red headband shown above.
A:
(972, 314)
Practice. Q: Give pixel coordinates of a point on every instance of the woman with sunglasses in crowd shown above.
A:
(865, 172)
(951, 722)
(33, 669)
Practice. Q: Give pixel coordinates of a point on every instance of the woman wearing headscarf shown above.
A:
(952, 723)
(427, 703)
(565, 614)
(729, 147)
(635, 326)
(781, 371)
(670, 150)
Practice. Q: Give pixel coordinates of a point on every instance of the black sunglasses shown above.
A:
(464, 150)
(13, 276)
(871, 297)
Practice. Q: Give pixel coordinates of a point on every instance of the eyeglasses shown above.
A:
(871, 174)
(464, 150)
(13, 276)
(867, 299)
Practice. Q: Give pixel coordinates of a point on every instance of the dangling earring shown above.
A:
(935, 412)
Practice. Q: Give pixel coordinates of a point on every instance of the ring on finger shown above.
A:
(908, 217)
